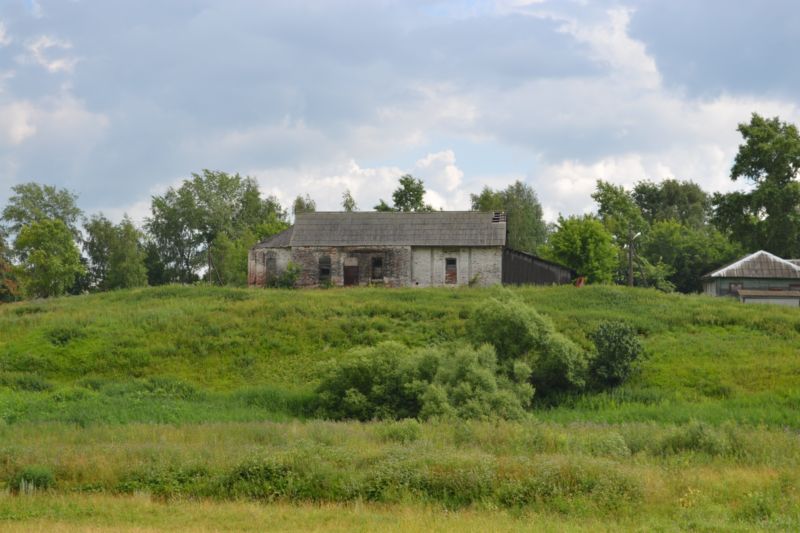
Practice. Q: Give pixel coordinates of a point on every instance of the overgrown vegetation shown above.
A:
(638, 474)
(184, 393)
(390, 381)
(269, 348)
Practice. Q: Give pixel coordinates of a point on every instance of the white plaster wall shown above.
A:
(421, 267)
(282, 258)
(428, 265)
(487, 264)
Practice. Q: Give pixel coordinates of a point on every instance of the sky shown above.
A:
(119, 100)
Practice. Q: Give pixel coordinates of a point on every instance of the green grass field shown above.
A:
(192, 407)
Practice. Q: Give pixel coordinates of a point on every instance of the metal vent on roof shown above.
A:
(498, 216)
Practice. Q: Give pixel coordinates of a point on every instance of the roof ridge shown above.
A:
(723, 269)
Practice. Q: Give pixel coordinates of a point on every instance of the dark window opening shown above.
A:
(377, 268)
(450, 271)
(271, 267)
(325, 269)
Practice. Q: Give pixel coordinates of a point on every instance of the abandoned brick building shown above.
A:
(399, 250)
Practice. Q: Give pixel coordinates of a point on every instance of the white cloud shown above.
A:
(327, 182)
(40, 51)
(58, 129)
(5, 38)
(353, 97)
(16, 122)
(36, 9)
(439, 170)
(611, 44)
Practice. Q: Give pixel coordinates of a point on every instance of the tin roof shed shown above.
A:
(761, 265)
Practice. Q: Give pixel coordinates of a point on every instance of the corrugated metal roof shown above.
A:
(279, 240)
(753, 293)
(760, 264)
(441, 228)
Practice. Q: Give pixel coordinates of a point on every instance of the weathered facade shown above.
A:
(389, 249)
(760, 277)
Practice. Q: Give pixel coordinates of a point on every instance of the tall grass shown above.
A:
(201, 398)
(255, 354)
(626, 470)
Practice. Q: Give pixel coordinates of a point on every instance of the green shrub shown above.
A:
(391, 382)
(25, 382)
(694, 437)
(508, 326)
(31, 479)
(617, 350)
(62, 335)
(520, 334)
(168, 482)
(169, 387)
(375, 383)
(607, 445)
(288, 278)
(559, 480)
(560, 367)
(403, 431)
(466, 385)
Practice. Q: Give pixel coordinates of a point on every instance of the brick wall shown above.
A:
(403, 266)
(396, 264)
(481, 264)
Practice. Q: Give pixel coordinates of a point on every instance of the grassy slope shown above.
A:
(232, 359)
(215, 354)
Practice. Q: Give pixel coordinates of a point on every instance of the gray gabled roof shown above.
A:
(440, 228)
(760, 264)
(279, 240)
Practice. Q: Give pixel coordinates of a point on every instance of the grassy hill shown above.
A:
(204, 353)
(183, 405)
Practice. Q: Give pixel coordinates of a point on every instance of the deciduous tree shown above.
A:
(527, 230)
(348, 202)
(50, 258)
(690, 252)
(671, 199)
(408, 197)
(768, 217)
(185, 222)
(584, 244)
(9, 288)
(32, 202)
(303, 204)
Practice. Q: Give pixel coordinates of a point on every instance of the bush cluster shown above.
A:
(390, 381)
(515, 351)
(617, 351)
(405, 474)
(520, 335)
(31, 479)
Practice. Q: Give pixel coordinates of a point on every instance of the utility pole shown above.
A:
(630, 257)
(631, 239)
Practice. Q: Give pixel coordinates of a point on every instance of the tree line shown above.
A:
(668, 234)
(664, 235)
